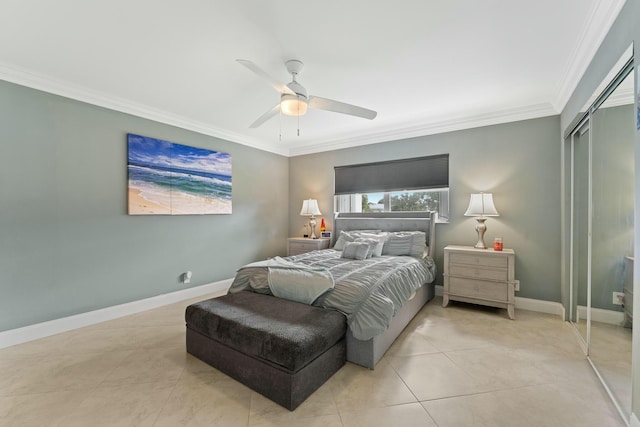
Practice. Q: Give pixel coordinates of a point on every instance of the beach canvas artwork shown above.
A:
(172, 179)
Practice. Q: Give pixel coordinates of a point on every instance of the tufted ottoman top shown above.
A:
(281, 332)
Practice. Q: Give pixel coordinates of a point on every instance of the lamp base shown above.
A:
(480, 229)
(312, 224)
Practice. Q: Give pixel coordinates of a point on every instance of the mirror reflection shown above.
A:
(600, 174)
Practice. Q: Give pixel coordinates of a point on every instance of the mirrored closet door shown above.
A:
(599, 212)
(580, 202)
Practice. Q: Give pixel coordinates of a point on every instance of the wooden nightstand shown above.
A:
(300, 245)
(480, 276)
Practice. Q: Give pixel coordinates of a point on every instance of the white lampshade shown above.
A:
(310, 208)
(293, 105)
(481, 205)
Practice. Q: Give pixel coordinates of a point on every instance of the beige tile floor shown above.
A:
(459, 366)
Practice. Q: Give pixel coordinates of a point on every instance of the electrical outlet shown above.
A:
(517, 286)
(618, 298)
(186, 277)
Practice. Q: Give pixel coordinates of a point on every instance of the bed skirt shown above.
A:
(368, 353)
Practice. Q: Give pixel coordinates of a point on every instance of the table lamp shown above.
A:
(310, 208)
(481, 206)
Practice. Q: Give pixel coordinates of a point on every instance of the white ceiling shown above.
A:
(424, 66)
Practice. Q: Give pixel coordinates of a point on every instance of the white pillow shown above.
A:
(343, 238)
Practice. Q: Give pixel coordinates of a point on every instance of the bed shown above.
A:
(382, 311)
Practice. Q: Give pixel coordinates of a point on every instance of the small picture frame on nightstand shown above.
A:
(325, 234)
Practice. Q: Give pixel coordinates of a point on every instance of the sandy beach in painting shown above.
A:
(145, 202)
(138, 205)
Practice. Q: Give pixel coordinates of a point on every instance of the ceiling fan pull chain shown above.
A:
(280, 117)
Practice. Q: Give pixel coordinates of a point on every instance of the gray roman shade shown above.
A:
(397, 175)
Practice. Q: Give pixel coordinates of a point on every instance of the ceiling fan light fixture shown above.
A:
(294, 100)
(293, 105)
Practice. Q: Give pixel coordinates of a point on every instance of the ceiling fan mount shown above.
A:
(294, 67)
(294, 99)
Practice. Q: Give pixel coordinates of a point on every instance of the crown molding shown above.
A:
(593, 33)
(429, 128)
(47, 84)
(402, 131)
(599, 21)
(68, 90)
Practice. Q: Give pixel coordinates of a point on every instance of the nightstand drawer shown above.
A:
(478, 272)
(297, 246)
(479, 289)
(484, 260)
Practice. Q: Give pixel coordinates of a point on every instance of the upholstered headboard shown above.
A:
(388, 221)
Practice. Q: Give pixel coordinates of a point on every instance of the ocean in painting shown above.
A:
(174, 179)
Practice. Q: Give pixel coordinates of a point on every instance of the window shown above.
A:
(407, 201)
(409, 185)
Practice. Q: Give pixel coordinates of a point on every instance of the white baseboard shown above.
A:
(634, 422)
(603, 316)
(540, 306)
(52, 327)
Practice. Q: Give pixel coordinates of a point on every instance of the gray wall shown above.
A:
(625, 30)
(519, 162)
(67, 245)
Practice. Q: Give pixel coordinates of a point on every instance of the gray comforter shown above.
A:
(369, 292)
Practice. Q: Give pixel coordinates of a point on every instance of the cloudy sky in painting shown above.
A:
(156, 152)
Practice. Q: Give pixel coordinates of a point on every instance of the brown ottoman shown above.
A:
(282, 349)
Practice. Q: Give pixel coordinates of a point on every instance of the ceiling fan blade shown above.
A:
(279, 86)
(340, 107)
(266, 116)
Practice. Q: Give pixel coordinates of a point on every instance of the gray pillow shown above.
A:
(405, 243)
(350, 236)
(379, 240)
(372, 243)
(355, 250)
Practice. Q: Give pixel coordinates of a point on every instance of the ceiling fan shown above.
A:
(294, 100)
